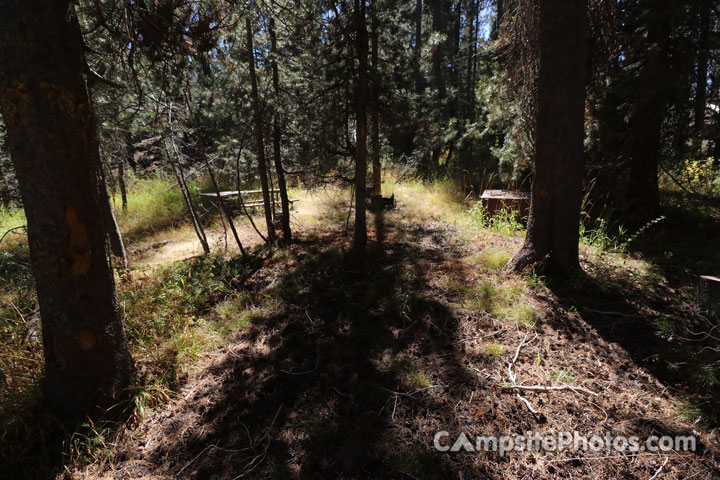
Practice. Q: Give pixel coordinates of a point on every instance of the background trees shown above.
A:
(443, 98)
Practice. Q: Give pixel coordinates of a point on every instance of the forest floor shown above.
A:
(311, 363)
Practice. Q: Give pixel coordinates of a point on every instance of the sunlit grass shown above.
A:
(10, 219)
(493, 259)
(153, 204)
(501, 297)
(321, 207)
(493, 350)
(424, 201)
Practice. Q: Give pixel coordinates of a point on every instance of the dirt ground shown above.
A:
(361, 365)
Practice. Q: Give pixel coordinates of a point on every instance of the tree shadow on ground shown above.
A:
(349, 377)
(655, 318)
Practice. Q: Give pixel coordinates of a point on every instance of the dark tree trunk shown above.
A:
(497, 21)
(702, 74)
(552, 233)
(259, 141)
(54, 147)
(121, 172)
(277, 157)
(439, 25)
(375, 116)
(117, 246)
(645, 122)
(175, 164)
(417, 46)
(453, 54)
(472, 45)
(361, 105)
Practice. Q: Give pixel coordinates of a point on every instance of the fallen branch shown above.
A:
(657, 472)
(527, 404)
(317, 362)
(11, 230)
(513, 376)
(549, 388)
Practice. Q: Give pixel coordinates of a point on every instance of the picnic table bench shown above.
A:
(249, 203)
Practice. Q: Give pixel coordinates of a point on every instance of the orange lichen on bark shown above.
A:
(86, 339)
(78, 248)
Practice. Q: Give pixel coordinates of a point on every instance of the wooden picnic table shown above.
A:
(496, 200)
(234, 193)
(250, 203)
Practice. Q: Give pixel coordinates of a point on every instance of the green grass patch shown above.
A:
(186, 310)
(404, 368)
(504, 222)
(153, 204)
(564, 375)
(10, 219)
(493, 350)
(492, 259)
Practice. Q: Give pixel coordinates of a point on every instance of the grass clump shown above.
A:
(21, 359)
(521, 313)
(234, 314)
(406, 369)
(492, 259)
(563, 375)
(504, 222)
(505, 300)
(419, 379)
(422, 201)
(493, 350)
(597, 235)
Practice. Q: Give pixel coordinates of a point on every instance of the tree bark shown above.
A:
(54, 147)
(416, 48)
(122, 186)
(277, 157)
(702, 74)
(439, 24)
(645, 122)
(552, 233)
(174, 159)
(375, 116)
(472, 52)
(117, 245)
(497, 21)
(361, 46)
(259, 141)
